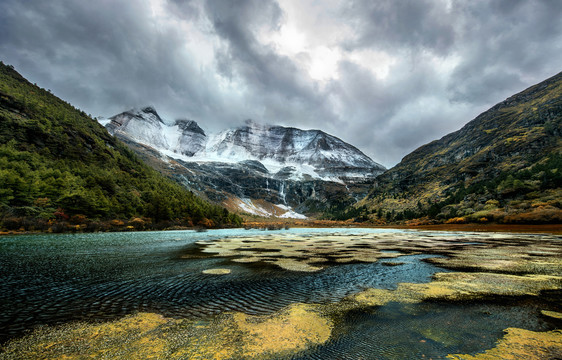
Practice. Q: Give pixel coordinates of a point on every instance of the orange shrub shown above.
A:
(116, 222)
(206, 223)
(456, 220)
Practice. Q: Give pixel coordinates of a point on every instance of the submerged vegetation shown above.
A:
(60, 170)
(496, 273)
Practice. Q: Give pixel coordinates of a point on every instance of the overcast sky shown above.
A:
(386, 76)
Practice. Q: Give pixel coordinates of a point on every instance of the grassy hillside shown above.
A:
(503, 166)
(59, 168)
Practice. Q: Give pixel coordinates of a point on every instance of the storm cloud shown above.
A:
(386, 76)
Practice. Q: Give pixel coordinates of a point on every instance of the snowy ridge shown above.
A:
(287, 153)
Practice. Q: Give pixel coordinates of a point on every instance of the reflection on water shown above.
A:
(52, 279)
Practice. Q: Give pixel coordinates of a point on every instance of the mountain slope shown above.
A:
(505, 165)
(58, 165)
(258, 169)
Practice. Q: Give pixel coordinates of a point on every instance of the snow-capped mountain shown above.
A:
(302, 153)
(250, 163)
(192, 139)
(311, 152)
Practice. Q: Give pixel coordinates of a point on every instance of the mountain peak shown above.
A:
(142, 125)
(189, 126)
(148, 113)
(149, 109)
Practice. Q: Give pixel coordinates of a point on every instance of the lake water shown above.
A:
(53, 279)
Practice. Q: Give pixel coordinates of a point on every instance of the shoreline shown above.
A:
(555, 229)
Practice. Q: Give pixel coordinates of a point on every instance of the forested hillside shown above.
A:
(60, 170)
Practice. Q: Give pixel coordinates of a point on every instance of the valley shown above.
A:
(280, 180)
(340, 268)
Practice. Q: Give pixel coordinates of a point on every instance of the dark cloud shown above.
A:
(406, 72)
(274, 82)
(505, 44)
(412, 24)
(103, 56)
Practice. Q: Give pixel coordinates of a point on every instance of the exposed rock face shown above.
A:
(144, 126)
(305, 170)
(192, 138)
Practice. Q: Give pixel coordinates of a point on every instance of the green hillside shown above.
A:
(60, 169)
(504, 166)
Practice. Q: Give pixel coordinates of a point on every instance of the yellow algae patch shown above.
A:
(482, 284)
(216, 271)
(533, 258)
(250, 259)
(151, 336)
(294, 329)
(460, 286)
(295, 252)
(380, 297)
(552, 314)
(240, 336)
(520, 344)
(130, 337)
(513, 253)
(295, 265)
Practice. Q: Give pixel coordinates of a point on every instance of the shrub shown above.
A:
(12, 223)
(456, 220)
(78, 219)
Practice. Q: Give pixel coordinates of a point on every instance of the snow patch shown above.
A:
(103, 121)
(248, 206)
(172, 135)
(290, 213)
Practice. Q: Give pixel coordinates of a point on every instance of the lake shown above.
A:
(56, 279)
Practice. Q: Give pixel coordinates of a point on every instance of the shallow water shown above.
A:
(52, 279)
(429, 330)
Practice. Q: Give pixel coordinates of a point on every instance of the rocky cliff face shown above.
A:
(192, 138)
(143, 125)
(254, 168)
